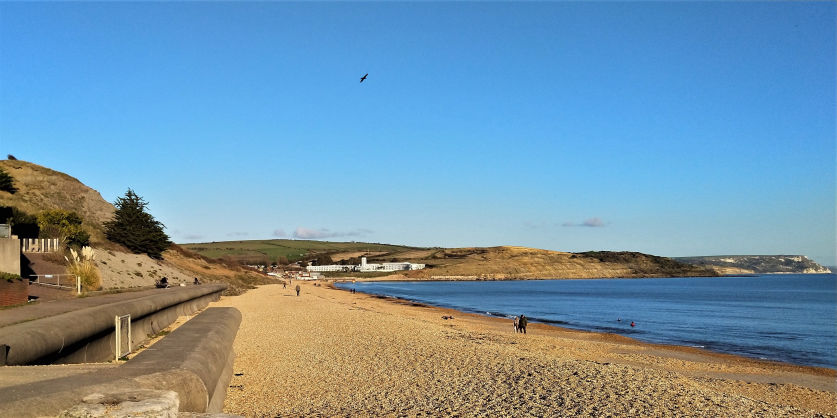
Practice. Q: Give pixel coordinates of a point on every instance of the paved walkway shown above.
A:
(39, 310)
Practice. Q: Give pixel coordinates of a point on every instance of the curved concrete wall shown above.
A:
(87, 335)
(199, 355)
(195, 361)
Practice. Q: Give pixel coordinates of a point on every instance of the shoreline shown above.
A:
(331, 352)
(400, 277)
(608, 336)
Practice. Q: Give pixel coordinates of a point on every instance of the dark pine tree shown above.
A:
(7, 182)
(135, 228)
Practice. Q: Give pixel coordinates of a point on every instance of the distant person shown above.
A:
(284, 285)
(297, 290)
(197, 281)
(633, 324)
(516, 324)
(163, 283)
(522, 323)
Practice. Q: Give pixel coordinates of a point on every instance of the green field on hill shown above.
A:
(258, 251)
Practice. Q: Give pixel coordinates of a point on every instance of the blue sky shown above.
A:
(672, 128)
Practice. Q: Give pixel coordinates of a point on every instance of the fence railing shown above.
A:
(63, 281)
(39, 245)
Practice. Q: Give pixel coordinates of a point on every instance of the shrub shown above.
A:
(64, 225)
(82, 265)
(135, 228)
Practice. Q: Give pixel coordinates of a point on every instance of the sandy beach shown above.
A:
(328, 352)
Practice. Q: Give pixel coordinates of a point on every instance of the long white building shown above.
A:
(364, 267)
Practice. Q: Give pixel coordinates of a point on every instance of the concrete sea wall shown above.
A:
(195, 362)
(87, 335)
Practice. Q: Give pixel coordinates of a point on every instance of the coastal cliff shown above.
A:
(758, 264)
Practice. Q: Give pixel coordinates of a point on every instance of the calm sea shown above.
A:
(790, 318)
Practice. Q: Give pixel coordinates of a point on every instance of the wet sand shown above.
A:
(329, 352)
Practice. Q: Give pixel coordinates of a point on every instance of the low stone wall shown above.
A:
(87, 335)
(195, 362)
(13, 292)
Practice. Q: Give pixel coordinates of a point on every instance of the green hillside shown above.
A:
(258, 251)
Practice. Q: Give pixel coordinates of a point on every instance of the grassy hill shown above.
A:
(258, 251)
(463, 263)
(40, 188)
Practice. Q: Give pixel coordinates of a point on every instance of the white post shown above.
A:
(78, 284)
(118, 331)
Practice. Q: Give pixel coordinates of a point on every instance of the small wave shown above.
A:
(549, 321)
(490, 313)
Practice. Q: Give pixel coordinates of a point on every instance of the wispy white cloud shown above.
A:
(305, 233)
(237, 234)
(279, 233)
(590, 223)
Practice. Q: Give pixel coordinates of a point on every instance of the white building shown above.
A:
(364, 267)
(331, 267)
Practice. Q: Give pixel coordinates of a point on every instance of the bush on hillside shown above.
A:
(322, 260)
(7, 182)
(64, 225)
(135, 228)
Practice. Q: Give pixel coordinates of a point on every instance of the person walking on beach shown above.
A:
(297, 290)
(521, 324)
(516, 324)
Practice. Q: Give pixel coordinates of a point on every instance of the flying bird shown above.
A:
(364, 77)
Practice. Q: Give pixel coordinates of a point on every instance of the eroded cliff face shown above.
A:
(758, 264)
